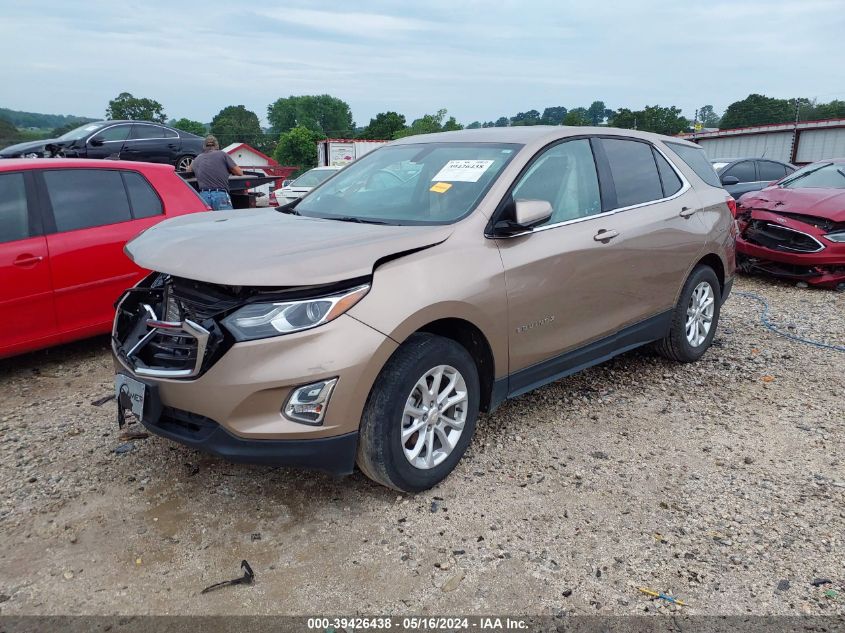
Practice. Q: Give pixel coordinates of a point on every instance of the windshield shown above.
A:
(816, 176)
(421, 183)
(83, 131)
(313, 177)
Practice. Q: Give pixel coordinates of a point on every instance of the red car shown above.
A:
(63, 225)
(795, 228)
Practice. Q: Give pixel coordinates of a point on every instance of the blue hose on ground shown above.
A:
(764, 318)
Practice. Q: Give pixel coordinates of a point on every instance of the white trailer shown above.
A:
(337, 152)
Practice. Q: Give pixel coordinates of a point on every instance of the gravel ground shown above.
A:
(720, 482)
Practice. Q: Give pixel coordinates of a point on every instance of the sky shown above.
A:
(478, 59)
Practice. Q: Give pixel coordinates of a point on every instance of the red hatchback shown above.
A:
(796, 227)
(63, 225)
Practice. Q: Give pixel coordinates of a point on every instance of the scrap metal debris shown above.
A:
(247, 579)
(101, 401)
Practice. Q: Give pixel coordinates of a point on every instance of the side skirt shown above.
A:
(568, 363)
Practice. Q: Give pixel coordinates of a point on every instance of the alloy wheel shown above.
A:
(434, 417)
(184, 163)
(702, 305)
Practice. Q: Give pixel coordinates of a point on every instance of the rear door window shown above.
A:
(696, 159)
(143, 199)
(141, 131)
(84, 198)
(634, 171)
(671, 182)
(770, 171)
(14, 212)
(743, 170)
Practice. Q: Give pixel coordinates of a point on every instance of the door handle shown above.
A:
(604, 235)
(687, 212)
(27, 259)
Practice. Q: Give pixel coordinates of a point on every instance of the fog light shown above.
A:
(307, 404)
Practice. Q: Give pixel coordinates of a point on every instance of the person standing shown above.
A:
(212, 169)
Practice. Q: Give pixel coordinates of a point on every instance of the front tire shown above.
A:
(695, 318)
(420, 415)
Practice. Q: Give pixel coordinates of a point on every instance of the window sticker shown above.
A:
(463, 170)
(440, 187)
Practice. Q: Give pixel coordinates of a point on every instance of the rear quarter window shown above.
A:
(696, 159)
(143, 198)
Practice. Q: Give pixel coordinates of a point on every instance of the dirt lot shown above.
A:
(721, 482)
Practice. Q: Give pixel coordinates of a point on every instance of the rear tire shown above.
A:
(695, 318)
(420, 414)
(183, 162)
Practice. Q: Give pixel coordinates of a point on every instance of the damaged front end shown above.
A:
(788, 245)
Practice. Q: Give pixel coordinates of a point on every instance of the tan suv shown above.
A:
(434, 278)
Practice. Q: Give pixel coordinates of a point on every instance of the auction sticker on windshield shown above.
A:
(463, 170)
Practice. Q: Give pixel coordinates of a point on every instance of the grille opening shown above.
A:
(779, 238)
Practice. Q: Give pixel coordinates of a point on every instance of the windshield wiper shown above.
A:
(289, 208)
(352, 218)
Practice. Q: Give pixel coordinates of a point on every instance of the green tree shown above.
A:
(577, 116)
(125, 106)
(187, 125)
(383, 126)
(236, 124)
(553, 115)
(662, 120)
(833, 110)
(757, 109)
(707, 116)
(321, 113)
(502, 121)
(428, 124)
(298, 147)
(532, 117)
(9, 134)
(474, 125)
(597, 112)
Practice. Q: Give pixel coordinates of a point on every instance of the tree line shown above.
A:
(298, 122)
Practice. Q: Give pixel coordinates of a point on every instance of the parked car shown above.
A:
(796, 228)
(63, 226)
(741, 175)
(124, 140)
(376, 321)
(294, 189)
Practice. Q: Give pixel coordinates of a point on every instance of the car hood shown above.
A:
(29, 146)
(822, 203)
(264, 247)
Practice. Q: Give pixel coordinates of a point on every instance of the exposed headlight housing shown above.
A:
(838, 237)
(263, 320)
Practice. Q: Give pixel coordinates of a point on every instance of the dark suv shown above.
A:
(125, 140)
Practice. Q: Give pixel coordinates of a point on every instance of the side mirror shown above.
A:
(529, 213)
(97, 141)
(730, 180)
(286, 183)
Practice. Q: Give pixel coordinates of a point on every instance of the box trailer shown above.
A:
(337, 152)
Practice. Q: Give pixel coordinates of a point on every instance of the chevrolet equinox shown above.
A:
(371, 320)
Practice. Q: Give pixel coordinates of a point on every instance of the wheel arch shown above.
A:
(471, 338)
(715, 262)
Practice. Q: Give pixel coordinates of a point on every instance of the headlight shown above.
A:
(838, 237)
(262, 320)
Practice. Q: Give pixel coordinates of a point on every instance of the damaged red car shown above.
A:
(795, 228)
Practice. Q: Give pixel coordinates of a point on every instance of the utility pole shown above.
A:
(794, 149)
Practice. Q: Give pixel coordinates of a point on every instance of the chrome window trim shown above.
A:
(108, 127)
(685, 186)
(153, 138)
